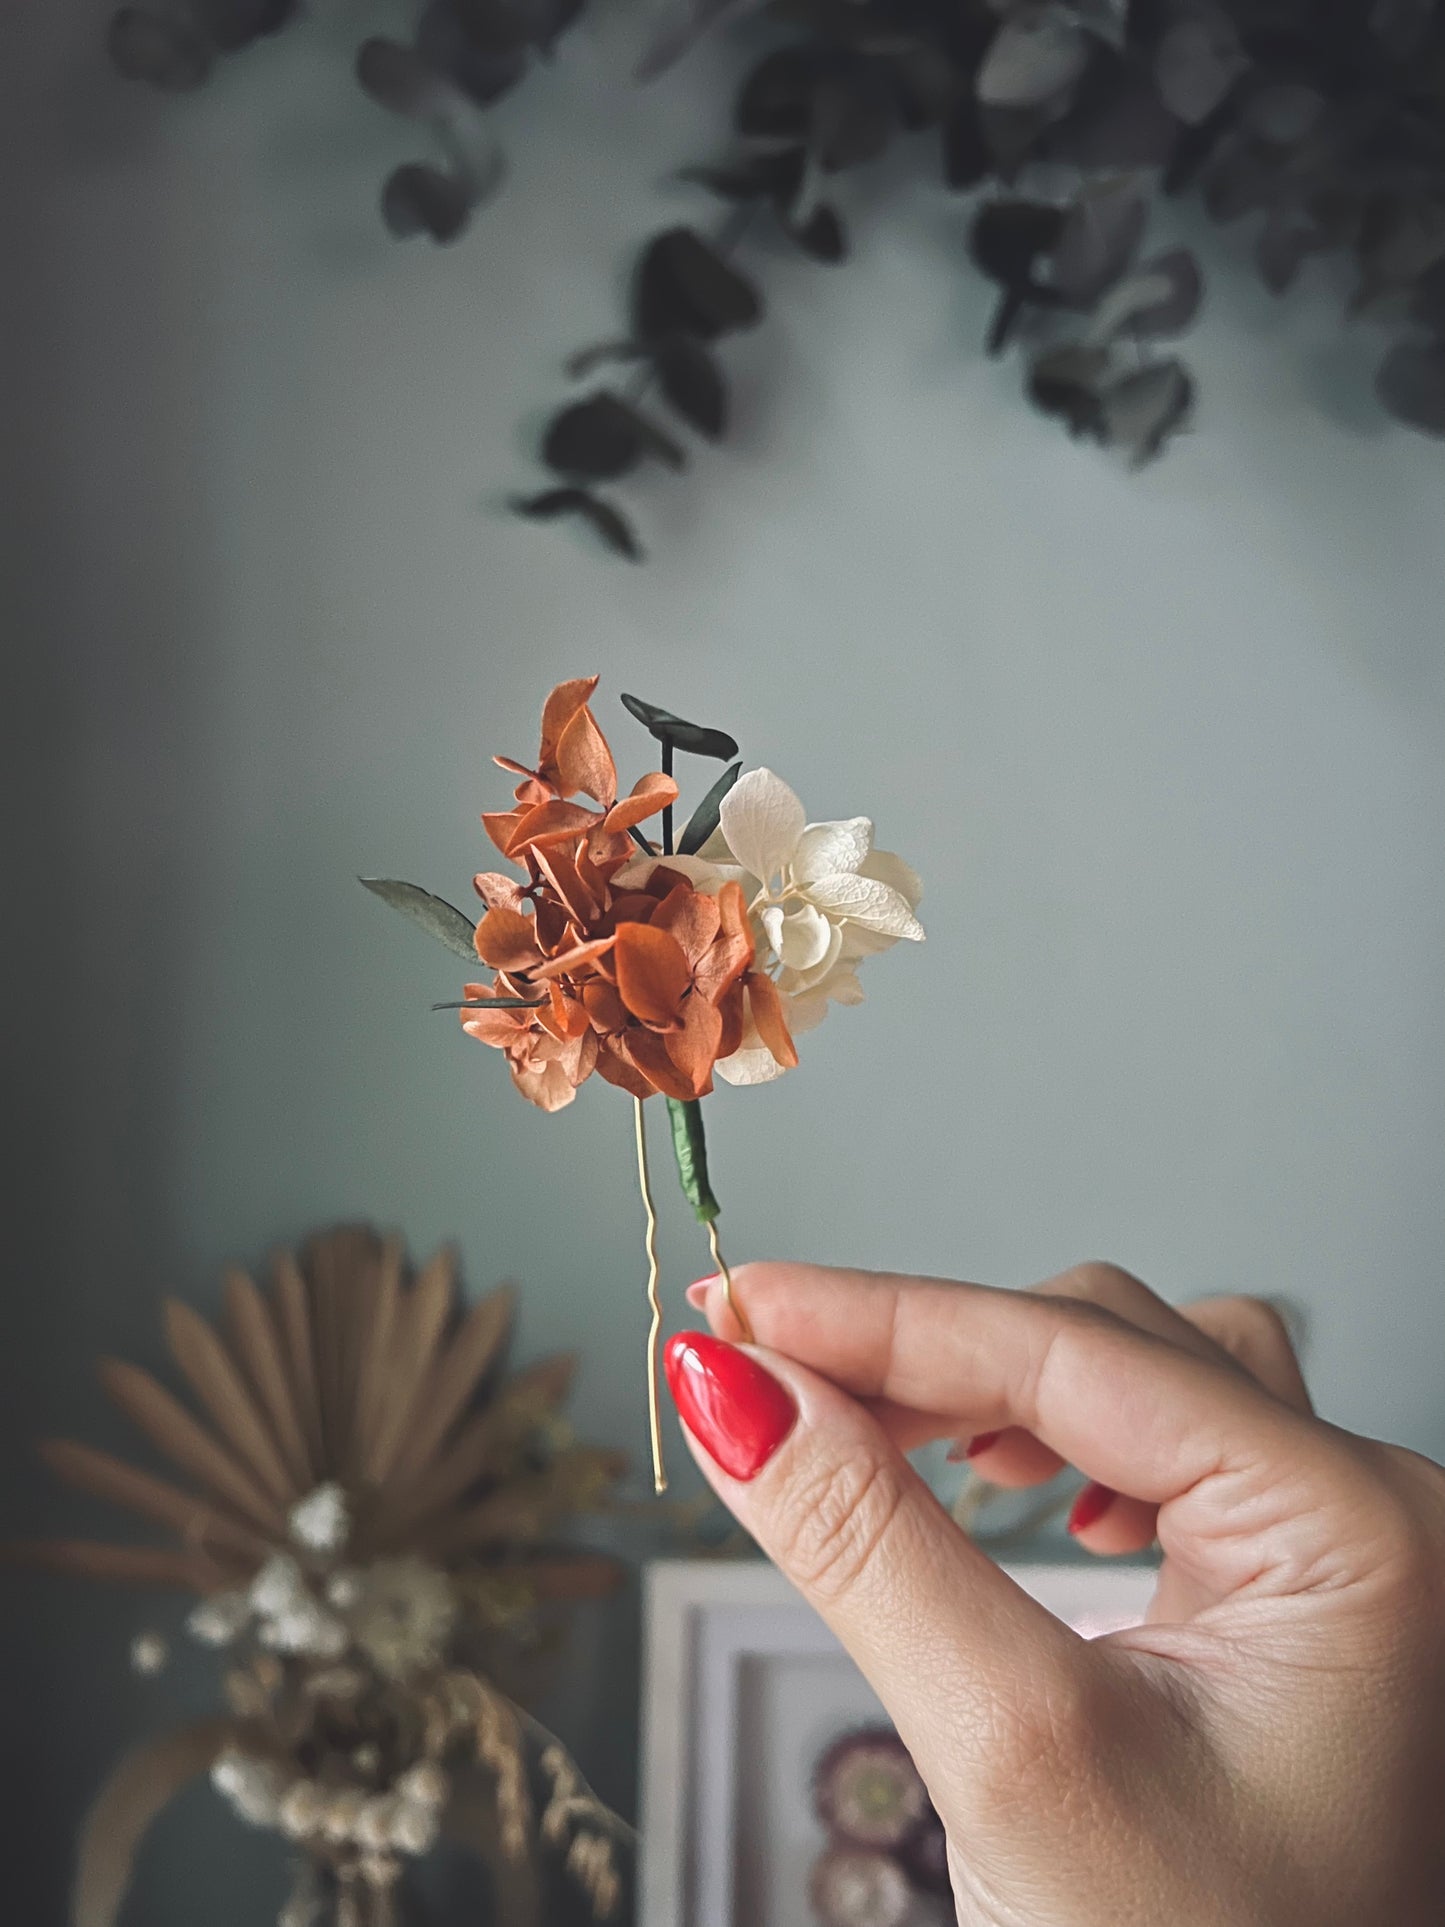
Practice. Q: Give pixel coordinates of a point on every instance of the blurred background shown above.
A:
(1165, 747)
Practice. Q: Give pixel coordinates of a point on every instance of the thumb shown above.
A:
(949, 1643)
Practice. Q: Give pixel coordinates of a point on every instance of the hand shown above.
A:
(1268, 1750)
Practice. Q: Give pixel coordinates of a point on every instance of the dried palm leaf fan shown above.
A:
(365, 1514)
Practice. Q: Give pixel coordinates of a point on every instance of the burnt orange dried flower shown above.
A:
(607, 959)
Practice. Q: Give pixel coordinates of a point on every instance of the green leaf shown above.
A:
(691, 737)
(689, 1145)
(497, 1003)
(438, 919)
(704, 819)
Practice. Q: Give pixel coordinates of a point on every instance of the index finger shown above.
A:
(1126, 1406)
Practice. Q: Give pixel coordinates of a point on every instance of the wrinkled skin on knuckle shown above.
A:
(837, 1520)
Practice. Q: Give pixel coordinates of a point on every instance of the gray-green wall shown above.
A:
(1166, 748)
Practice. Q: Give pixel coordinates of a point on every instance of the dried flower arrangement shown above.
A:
(368, 1525)
(659, 963)
(1066, 119)
(886, 1862)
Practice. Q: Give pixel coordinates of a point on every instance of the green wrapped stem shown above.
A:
(689, 1145)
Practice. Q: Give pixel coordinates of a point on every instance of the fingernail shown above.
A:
(737, 1412)
(982, 1443)
(697, 1294)
(1090, 1506)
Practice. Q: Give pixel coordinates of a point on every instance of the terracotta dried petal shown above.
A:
(499, 892)
(691, 918)
(733, 952)
(652, 973)
(498, 1028)
(501, 827)
(561, 872)
(544, 1084)
(506, 940)
(570, 962)
(648, 795)
(694, 1048)
(605, 1009)
(614, 1066)
(772, 1026)
(558, 710)
(649, 1053)
(734, 1020)
(569, 1012)
(584, 762)
(549, 820)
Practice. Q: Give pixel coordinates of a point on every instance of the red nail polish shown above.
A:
(982, 1443)
(737, 1411)
(1090, 1506)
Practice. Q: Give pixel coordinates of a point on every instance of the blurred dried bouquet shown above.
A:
(366, 1520)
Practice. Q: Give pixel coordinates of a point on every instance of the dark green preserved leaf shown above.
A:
(691, 737)
(708, 814)
(438, 918)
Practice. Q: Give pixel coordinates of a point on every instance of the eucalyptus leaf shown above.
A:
(1197, 63)
(497, 1003)
(1066, 380)
(684, 286)
(775, 101)
(438, 918)
(1160, 297)
(1097, 240)
(708, 814)
(1411, 384)
(1008, 238)
(417, 198)
(230, 25)
(596, 439)
(1036, 55)
(691, 737)
(397, 78)
(679, 28)
(822, 235)
(603, 437)
(604, 519)
(161, 48)
(481, 75)
(495, 28)
(1140, 412)
(692, 384)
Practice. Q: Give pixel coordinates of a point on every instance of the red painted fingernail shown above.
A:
(737, 1411)
(697, 1294)
(982, 1443)
(1090, 1506)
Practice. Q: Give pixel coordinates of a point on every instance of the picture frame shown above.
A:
(743, 1686)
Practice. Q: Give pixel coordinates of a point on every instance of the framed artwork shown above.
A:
(745, 1690)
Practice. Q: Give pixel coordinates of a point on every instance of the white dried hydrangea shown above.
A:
(148, 1654)
(322, 1520)
(414, 1829)
(220, 1619)
(254, 1787)
(404, 1617)
(301, 1809)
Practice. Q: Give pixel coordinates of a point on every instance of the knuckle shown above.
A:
(1408, 1515)
(1098, 1282)
(1259, 1327)
(839, 1515)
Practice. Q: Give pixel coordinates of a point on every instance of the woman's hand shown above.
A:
(1267, 1751)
